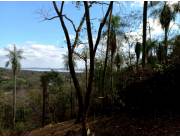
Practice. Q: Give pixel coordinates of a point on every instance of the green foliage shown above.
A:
(166, 16)
(54, 81)
(20, 127)
(158, 68)
(14, 59)
(176, 51)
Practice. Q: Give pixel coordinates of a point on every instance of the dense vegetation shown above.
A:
(113, 82)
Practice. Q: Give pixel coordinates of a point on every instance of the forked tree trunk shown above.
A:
(83, 104)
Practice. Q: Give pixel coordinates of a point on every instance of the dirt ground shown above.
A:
(117, 125)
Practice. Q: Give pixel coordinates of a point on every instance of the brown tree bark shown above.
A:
(14, 100)
(83, 104)
(70, 58)
(107, 51)
(165, 52)
(92, 49)
(144, 33)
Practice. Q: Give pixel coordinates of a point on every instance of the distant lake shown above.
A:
(49, 69)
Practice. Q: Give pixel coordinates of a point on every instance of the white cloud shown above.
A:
(156, 29)
(137, 3)
(38, 55)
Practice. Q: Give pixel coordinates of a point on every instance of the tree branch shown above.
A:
(101, 26)
(80, 27)
(88, 24)
(80, 56)
(74, 27)
(78, 31)
(59, 13)
(54, 17)
(51, 18)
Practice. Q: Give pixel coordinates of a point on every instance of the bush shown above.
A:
(20, 127)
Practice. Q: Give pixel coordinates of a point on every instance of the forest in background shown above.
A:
(140, 83)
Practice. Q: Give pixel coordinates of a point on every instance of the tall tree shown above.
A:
(165, 18)
(50, 82)
(114, 27)
(107, 51)
(14, 56)
(166, 13)
(144, 33)
(82, 101)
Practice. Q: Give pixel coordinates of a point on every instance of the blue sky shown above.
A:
(43, 42)
(20, 22)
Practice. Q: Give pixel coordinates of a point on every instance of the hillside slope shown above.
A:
(152, 108)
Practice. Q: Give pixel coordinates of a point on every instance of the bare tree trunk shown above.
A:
(144, 33)
(14, 101)
(70, 58)
(129, 54)
(107, 51)
(77, 87)
(92, 57)
(71, 100)
(165, 52)
(111, 87)
(137, 64)
(83, 104)
(86, 73)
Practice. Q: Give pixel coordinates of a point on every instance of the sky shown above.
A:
(43, 42)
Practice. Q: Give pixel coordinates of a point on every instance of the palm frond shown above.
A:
(14, 56)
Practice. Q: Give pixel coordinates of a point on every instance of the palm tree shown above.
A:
(14, 60)
(113, 26)
(151, 45)
(114, 30)
(166, 16)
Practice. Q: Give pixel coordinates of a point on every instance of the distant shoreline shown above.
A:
(47, 69)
